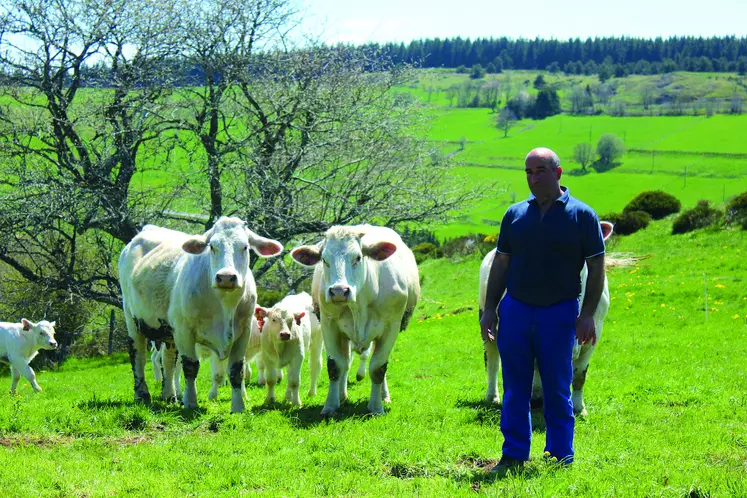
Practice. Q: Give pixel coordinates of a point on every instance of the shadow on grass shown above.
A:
(157, 407)
(311, 415)
(601, 167)
(490, 414)
(578, 172)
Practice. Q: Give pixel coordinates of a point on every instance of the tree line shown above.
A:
(616, 56)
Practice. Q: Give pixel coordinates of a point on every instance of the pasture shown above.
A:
(666, 394)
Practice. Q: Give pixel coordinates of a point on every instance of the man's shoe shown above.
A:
(507, 464)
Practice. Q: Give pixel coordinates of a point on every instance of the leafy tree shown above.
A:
(553, 67)
(609, 148)
(605, 73)
(477, 72)
(539, 82)
(547, 103)
(583, 153)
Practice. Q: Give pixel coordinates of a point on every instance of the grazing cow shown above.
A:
(581, 352)
(366, 286)
(291, 331)
(187, 290)
(20, 343)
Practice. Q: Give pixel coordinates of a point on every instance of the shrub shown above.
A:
(736, 210)
(701, 216)
(628, 222)
(466, 244)
(425, 250)
(609, 148)
(656, 203)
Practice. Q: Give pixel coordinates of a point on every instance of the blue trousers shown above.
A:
(546, 334)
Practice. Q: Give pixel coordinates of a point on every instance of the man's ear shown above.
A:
(560, 172)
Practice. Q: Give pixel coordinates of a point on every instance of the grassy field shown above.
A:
(667, 400)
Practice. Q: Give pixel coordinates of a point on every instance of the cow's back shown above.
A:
(147, 270)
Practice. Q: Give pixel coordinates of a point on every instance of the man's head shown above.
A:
(543, 171)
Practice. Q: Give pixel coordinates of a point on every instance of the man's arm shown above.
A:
(585, 327)
(495, 290)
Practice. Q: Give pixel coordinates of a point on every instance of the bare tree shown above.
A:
(101, 132)
(69, 154)
(583, 153)
(506, 119)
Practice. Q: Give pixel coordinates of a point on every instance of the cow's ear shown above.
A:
(307, 255)
(53, 324)
(607, 228)
(195, 245)
(298, 317)
(260, 313)
(379, 251)
(26, 324)
(262, 246)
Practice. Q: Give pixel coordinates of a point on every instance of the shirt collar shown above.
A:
(563, 198)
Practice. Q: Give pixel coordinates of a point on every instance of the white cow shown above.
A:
(581, 352)
(366, 286)
(291, 331)
(187, 290)
(20, 343)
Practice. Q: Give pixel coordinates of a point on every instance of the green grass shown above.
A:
(666, 397)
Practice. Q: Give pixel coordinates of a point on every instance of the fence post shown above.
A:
(111, 332)
(685, 178)
(705, 294)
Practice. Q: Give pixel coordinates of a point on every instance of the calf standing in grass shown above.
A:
(20, 343)
(290, 332)
(366, 286)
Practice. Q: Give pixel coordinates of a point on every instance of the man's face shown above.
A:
(542, 179)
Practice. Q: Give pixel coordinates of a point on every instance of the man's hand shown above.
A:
(586, 331)
(488, 324)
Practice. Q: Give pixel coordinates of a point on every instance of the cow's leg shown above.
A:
(156, 363)
(236, 372)
(492, 364)
(315, 361)
(190, 365)
(338, 364)
(25, 369)
(168, 360)
(261, 375)
(137, 348)
(272, 372)
(292, 395)
(580, 367)
(377, 368)
(361, 373)
(537, 402)
(16, 376)
(217, 374)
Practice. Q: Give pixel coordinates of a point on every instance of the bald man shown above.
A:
(543, 244)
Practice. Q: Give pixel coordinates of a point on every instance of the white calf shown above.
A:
(20, 343)
(290, 330)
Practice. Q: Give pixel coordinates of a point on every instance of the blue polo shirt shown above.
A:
(547, 253)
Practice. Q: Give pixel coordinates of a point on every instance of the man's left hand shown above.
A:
(586, 331)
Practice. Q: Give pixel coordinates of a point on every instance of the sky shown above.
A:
(357, 22)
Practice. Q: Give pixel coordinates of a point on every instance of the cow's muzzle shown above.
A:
(285, 336)
(339, 293)
(226, 280)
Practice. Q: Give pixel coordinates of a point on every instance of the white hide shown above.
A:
(196, 289)
(20, 343)
(366, 286)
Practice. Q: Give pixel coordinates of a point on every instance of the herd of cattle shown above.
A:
(195, 297)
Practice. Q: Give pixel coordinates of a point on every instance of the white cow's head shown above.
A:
(42, 333)
(228, 243)
(341, 255)
(279, 324)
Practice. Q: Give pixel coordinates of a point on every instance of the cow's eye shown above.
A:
(246, 248)
(357, 260)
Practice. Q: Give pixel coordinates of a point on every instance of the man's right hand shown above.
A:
(488, 324)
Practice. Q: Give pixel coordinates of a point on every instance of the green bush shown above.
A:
(701, 216)
(425, 250)
(656, 203)
(466, 244)
(628, 222)
(736, 210)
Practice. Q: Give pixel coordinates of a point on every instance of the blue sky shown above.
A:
(355, 21)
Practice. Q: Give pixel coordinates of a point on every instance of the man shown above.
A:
(543, 244)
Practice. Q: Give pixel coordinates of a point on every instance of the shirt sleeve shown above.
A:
(503, 245)
(591, 233)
